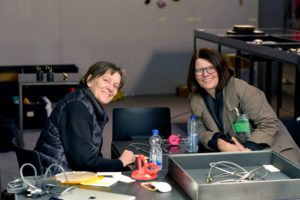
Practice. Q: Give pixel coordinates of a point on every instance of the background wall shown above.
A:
(153, 45)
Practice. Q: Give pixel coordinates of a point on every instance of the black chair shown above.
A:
(28, 156)
(138, 123)
(293, 127)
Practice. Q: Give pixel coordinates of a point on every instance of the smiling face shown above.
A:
(206, 80)
(104, 87)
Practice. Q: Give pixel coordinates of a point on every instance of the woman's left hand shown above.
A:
(224, 146)
(240, 147)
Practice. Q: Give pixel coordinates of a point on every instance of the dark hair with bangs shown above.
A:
(100, 68)
(217, 60)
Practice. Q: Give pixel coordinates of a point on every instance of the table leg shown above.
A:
(237, 64)
(297, 92)
(269, 81)
(279, 93)
(251, 70)
(21, 116)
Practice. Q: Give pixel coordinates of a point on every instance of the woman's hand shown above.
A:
(127, 157)
(229, 147)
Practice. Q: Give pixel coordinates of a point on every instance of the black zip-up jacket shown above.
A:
(72, 135)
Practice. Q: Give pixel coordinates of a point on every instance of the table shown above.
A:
(30, 80)
(286, 39)
(134, 189)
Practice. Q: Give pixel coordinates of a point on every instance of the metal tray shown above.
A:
(190, 172)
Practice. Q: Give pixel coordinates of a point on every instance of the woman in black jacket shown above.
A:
(72, 135)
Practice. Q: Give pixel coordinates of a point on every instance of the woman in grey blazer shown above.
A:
(218, 100)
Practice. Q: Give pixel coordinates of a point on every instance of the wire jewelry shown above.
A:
(138, 146)
(37, 185)
(148, 186)
(231, 169)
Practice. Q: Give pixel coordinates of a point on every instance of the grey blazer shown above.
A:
(265, 126)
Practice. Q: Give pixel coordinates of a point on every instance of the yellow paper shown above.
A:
(100, 181)
(76, 177)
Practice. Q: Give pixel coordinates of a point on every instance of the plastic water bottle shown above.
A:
(156, 151)
(192, 127)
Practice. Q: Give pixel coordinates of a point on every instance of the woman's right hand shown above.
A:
(229, 147)
(127, 157)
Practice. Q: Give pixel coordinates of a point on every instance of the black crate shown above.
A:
(34, 114)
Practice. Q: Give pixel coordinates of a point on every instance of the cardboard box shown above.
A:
(182, 91)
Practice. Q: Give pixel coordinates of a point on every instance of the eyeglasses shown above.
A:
(209, 70)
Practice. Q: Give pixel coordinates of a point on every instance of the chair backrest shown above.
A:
(138, 123)
(28, 156)
(293, 127)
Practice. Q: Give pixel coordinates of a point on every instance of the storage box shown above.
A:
(191, 170)
(34, 114)
(231, 59)
(182, 91)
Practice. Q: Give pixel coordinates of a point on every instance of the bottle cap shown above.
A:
(154, 131)
(193, 116)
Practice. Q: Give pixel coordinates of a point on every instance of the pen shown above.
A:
(107, 176)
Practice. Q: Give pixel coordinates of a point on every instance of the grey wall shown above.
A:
(271, 13)
(153, 45)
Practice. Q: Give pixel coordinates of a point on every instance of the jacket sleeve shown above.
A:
(263, 119)
(76, 127)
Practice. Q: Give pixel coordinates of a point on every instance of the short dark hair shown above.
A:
(217, 60)
(100, 68)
